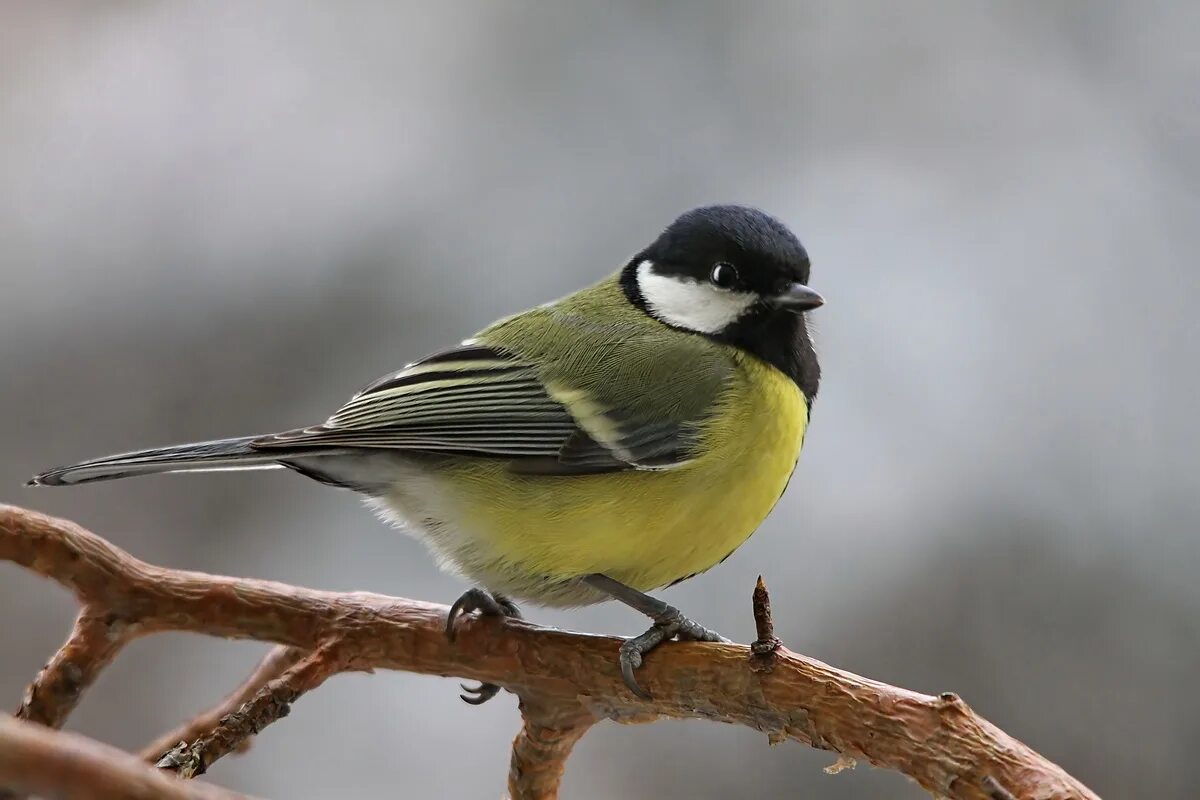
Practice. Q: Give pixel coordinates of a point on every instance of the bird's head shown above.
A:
(736, 275)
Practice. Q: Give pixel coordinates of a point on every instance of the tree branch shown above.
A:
(53, 764)
(564, 680)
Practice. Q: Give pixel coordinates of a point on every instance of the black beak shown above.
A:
(797, 297)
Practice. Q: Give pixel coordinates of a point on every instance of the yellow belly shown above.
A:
(526, 534)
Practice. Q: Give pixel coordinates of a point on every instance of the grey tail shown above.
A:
(220, 454)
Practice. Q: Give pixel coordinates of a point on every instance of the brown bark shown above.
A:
(565, 681)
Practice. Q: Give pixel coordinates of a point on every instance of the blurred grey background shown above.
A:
(222, 219)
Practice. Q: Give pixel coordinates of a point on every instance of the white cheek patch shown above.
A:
(682, 303)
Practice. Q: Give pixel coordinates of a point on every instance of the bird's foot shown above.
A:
(669, 624)
(488, 605)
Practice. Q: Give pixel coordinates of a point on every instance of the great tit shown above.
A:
(624, 438)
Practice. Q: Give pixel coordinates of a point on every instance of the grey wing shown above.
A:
(479, 401)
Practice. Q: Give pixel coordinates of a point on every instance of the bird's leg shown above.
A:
(488, 605)
(669, 622)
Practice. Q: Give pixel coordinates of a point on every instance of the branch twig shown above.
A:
(274, 664)
(92, 645)
(272, 702)
(937, 741)
(767, 643)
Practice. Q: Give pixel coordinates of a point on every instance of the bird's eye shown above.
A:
(724, 275)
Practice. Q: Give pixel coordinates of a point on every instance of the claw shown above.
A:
(631, 659)
(475, 600)
(452, 617)
(482, 693)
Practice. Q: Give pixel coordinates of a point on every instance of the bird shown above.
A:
(619, 440)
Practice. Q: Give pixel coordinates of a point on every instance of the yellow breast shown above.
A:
(521, 534)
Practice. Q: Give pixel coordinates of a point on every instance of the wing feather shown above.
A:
(481, 401)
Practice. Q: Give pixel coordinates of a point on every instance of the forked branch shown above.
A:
(565, 681)
(274, 664)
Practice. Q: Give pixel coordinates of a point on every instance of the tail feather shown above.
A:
(220, 454)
